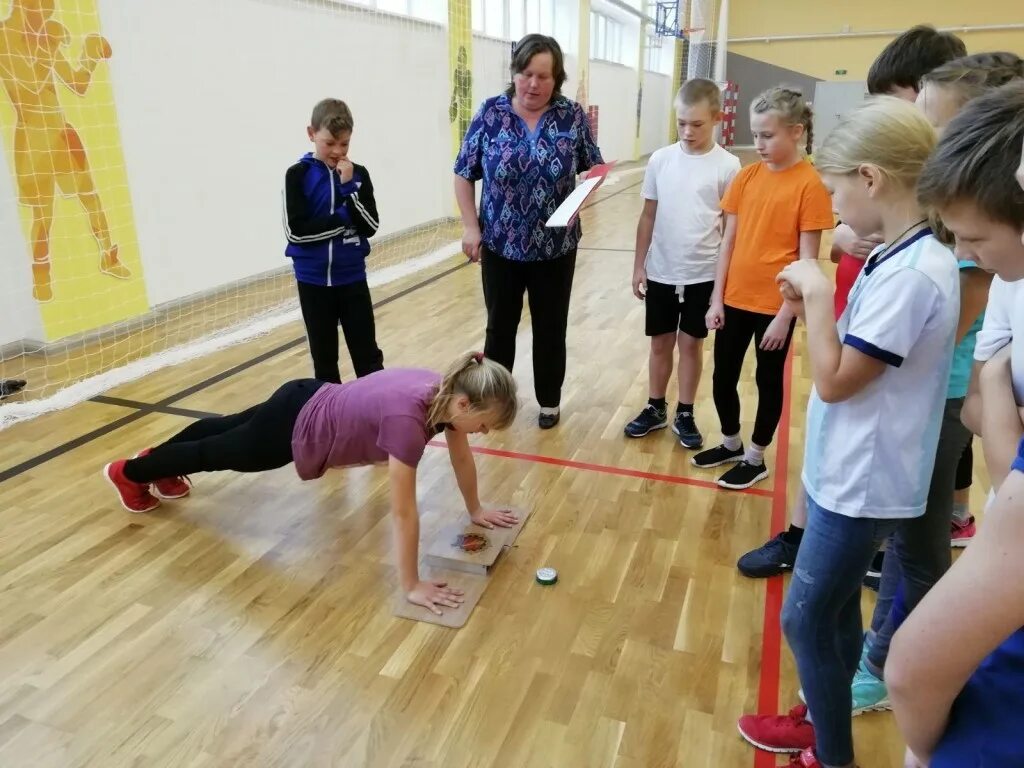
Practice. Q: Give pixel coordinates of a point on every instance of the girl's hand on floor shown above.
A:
(488, 518)
(435, 595)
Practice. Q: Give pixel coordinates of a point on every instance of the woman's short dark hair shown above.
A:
(529, 47)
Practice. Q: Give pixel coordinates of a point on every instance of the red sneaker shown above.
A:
(806, 759)
(962, 533)
(779, 733)
(169, 487)
(135, 497)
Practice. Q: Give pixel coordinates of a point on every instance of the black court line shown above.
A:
(162, 405)
(138, 405)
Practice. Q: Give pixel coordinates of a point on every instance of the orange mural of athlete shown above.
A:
(48, 152)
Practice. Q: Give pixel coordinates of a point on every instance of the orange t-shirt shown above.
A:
(772, 208)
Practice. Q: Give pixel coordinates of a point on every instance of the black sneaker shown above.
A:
(770, 559)
(714, 457)
(549, 420)
(650, 419)
(686, 429)
(9, 387)
(743, 475)
(873, 578)
(877, 563)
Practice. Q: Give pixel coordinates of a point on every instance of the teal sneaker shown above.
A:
(869, 694)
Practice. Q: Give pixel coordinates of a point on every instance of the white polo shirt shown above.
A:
(873, 454)
(688, 224)
(1004, 324)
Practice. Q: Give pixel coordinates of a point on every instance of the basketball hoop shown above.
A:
(666, 21)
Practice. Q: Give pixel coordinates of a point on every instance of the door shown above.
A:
(832, 101)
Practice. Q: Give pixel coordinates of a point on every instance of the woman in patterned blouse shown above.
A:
(528, 145)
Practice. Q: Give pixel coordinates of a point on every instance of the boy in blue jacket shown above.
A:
(329, 212)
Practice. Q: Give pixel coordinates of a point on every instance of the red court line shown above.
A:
(771, 639)
(609, 470)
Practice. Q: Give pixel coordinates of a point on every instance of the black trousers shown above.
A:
(548, 286)
(254, 440)
(731, 343)
(323, 308)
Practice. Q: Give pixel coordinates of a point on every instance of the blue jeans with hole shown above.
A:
(822, 621)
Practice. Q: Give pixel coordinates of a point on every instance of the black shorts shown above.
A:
(667, 311)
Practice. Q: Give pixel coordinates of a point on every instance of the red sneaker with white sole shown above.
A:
(962, 533)
(135, 497)
(806, 759)
(779, 733)
(169, 487)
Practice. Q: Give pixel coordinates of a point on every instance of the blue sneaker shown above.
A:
(869, 693)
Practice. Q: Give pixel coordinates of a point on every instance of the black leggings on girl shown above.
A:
(731, 342)
(254, 440)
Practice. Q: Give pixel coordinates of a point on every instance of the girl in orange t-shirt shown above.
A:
(775, 211)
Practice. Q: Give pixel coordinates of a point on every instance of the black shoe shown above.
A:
(650, 419)
(873, 578)
(686, 429)
(10, 386)
(770, 559)
(877, 563)
(714, 457)
(743, 475)
(549, 420)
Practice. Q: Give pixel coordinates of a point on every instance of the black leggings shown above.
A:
(965, 469)
(731, 342)
(254, 440)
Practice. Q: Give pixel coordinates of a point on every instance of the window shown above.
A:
(607, 40)
(512, 19)
(428, 10)
(488, 17)
(660, 52)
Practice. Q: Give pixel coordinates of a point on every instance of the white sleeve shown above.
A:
(649, 190)
(888, 319)
(729, 171)
(995, 331)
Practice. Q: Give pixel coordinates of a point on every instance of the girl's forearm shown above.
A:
(465, 476)
(407, 538)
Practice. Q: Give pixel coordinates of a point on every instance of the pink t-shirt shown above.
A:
(365, 421)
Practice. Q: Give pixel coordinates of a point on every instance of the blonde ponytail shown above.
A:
(486, 384)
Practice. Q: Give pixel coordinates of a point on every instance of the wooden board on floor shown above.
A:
(444, 550)
(472, 585)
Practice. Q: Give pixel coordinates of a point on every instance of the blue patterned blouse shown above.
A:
(527, 175)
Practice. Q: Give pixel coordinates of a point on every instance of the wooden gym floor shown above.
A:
(250, 624)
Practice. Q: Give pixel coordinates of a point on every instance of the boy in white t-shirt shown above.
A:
(677, 241)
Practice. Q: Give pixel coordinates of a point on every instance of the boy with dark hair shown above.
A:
(899, 68)
(329, 214)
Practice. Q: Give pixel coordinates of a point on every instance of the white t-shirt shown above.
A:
(687, 227)
(1004, 324)
(873, 454)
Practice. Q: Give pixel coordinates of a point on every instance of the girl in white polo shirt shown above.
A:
(873, 420)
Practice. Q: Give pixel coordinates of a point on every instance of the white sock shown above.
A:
(732, 442)
(961, 513)
(754, 454)
(548, 411)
